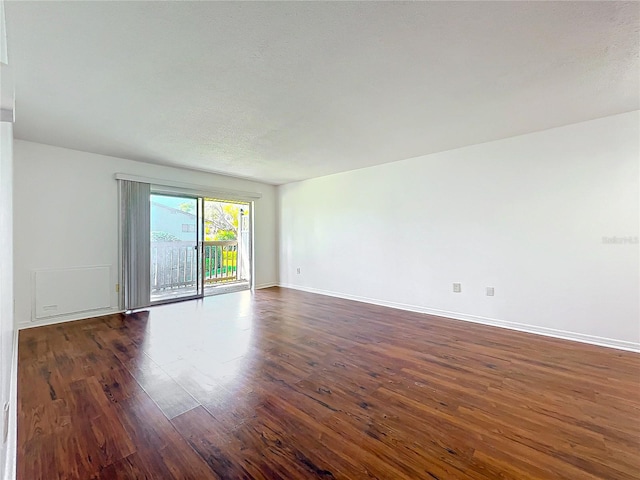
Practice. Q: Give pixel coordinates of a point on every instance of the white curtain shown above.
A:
(135, 224)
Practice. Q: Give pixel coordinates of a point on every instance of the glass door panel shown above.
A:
(226, 248)
(175, 256)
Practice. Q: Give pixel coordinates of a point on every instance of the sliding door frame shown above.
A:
(170, 187)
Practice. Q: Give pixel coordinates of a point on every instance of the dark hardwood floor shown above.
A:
(285, 384)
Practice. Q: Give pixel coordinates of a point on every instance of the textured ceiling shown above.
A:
(286, 91)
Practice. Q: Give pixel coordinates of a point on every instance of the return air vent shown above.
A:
(71, 290)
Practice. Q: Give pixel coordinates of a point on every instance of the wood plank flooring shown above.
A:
(291, 385)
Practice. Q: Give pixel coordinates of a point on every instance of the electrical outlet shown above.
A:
(490, 291)
(457, 288)
(298, 270)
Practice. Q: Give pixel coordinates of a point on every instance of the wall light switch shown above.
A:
(490, 292)
(457, 287)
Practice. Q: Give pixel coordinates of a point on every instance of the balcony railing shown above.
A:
(174, 264)
(220, 261)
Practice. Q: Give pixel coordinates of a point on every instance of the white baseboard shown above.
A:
(69, 318)
(266, 285)
(107, 311)
(521, 327)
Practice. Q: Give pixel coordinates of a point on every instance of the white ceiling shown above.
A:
(286, 91)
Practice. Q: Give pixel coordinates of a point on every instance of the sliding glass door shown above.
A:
(177, 244)
(175, 239)
(226, 248)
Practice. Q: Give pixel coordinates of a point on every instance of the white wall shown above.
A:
(7, 325)
(525, 215)
(8, 332)
(66, 213)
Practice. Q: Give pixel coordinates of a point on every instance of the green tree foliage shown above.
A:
(188, 207)
(225, 235)
(221, 220)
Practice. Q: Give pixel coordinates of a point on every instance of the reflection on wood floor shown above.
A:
(284, 384)
(176, 294)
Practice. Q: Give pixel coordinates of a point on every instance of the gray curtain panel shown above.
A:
(135, 227)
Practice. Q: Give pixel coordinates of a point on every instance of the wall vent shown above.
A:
(71, 290)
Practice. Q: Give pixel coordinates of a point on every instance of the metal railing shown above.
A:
(174, 264)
